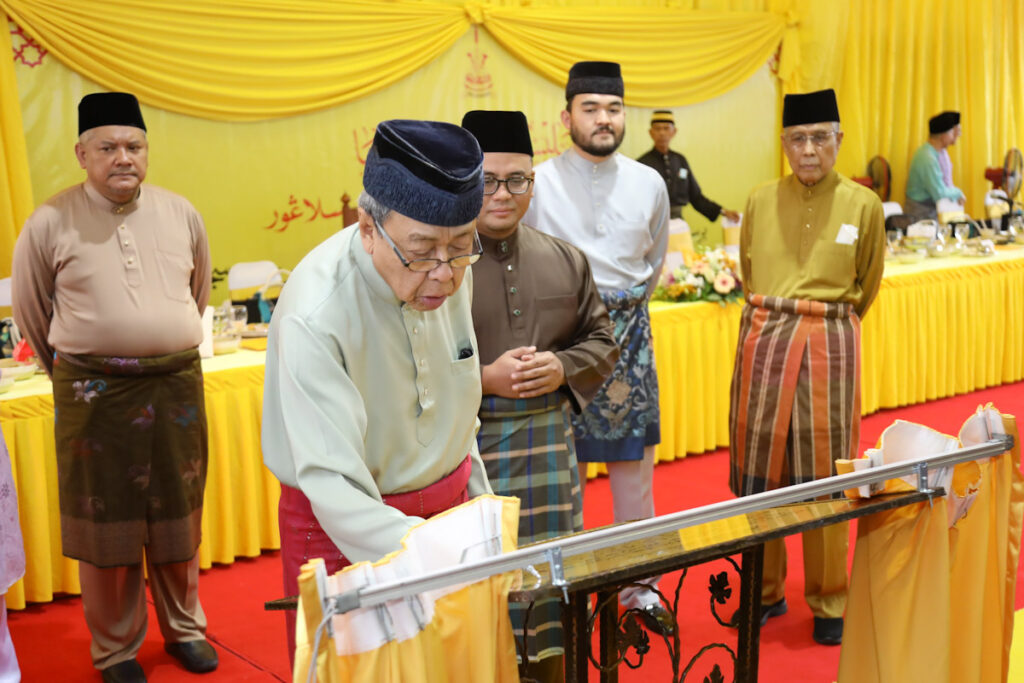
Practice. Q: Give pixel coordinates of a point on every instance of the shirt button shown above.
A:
(808, 225)
(423, 362)
(517, 313)
(130, 260)
(514, 290)
(415, 330)
(120, 227)
(126, 243)
(426, 391)
(509, 267)
(504, 247)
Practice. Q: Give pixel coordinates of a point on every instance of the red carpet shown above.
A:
(53, 642)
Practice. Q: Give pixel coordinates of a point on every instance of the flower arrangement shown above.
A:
(708, 275)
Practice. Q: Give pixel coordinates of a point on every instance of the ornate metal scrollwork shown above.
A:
(632, 641)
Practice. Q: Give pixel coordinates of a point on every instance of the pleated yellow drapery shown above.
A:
(243, 60)
(907, 61)
(15, 186)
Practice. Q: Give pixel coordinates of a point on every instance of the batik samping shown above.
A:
(131, 456)
(623, 418)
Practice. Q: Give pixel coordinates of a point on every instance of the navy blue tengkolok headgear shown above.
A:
(109, 109)
(813, 107)
(603, 78)
(940, 123)
(499, 131)
(429, 171)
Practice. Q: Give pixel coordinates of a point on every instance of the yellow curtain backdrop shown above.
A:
(243, 60)
(15, 187)
(907, 61)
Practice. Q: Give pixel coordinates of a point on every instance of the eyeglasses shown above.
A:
(820, 139)
(425, 265)
(515, 185)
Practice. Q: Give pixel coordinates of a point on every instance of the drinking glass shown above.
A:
(239, 318)
(961, 231)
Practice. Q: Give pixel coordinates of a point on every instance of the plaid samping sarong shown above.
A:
(795, 399)
(527, 448)
(131, 456)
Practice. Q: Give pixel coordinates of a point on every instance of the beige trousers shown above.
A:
(114, 600)
(825, 580)
(632, 484)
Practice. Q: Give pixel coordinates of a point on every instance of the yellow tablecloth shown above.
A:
(240, 513)
(938, 328)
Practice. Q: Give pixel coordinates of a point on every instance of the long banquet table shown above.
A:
(938, 328)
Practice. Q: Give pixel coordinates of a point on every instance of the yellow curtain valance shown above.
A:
(245, 60)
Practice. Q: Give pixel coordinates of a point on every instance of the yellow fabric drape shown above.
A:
(15, 186)
(467, 637)
(245, 60)
(907, 61)
(935, 603)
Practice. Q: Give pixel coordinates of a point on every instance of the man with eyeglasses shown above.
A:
(931, 172)
(812, 247)
(546, 345)
(372, 379)
(615, 210)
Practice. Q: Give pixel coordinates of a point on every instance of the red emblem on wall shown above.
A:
(26, 49)
(477, 82)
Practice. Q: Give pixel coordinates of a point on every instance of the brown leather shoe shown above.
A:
(198, 656)
(127, 671)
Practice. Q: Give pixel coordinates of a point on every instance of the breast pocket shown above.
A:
(465, 359)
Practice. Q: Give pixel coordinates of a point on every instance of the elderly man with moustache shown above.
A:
(811, 253)
(546, 346)
(109, 280)
(615, 210)
(373, 379)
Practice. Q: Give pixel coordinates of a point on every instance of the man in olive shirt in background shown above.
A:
(680, 182)
(546, 343)
(109, 278)
(811, 254)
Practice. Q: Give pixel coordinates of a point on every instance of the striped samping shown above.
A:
(795, 398)
(527, 449)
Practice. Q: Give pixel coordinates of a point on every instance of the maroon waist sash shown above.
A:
(302, 537)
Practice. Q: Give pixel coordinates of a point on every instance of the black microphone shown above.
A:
(466, 353)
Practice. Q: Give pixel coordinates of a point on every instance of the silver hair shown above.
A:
(378, 212)
(87, 135)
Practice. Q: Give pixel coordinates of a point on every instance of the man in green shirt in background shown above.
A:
(931, 171)
(811, 258)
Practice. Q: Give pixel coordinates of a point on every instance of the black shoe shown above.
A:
(198, 656)
(776, 609)
(828, 631)
(657, 619)
(127, 671)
